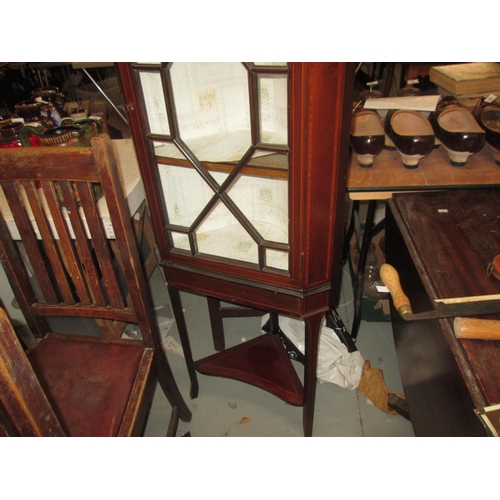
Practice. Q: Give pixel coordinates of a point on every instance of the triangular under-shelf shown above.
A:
(262, 362)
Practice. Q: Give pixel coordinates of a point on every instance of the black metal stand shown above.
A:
(358, 275)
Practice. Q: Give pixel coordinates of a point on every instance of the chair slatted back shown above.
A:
(50, 193)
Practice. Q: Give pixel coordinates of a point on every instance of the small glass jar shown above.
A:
(9, 135)
(372, 282)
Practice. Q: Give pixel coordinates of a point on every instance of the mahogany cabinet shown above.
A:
(244, 167)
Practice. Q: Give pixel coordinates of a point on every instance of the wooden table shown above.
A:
(441, 244)
(388, 176)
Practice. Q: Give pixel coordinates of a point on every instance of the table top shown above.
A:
(435, 172)
(451, 238)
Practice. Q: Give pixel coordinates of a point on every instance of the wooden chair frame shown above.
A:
(69, 251)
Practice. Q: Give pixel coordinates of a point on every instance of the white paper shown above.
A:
(418, 103)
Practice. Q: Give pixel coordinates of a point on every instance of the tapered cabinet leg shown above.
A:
(216, 323)
(312, 324)
(175, 299)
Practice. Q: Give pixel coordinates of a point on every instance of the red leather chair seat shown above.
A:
(90, 383)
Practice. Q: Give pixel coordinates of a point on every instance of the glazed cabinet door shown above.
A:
(244, 164)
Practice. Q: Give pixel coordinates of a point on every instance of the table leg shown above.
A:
(360, 274)
(350, 232)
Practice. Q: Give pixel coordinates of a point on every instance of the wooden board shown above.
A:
(451, 237)
(388, 175)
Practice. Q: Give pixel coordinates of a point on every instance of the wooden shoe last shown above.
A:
(457, 130)
(488, 117)
(367, 136)
(411, 133)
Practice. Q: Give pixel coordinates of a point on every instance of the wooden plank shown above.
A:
(30, 241)
(100, 245)
(441, 403)
(451, 237)
(434, 172)
(83, 248)
(57, 163)
(48, 241)
(65, 245)
(15, 270)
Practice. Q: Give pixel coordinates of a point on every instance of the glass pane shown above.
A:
(274, 161)
(185, 192)
(264, 202)
(155, 102)
(223, 236)
(277, 259)
(212, 105)
(181, 241)
(168, 150)
(273, 109)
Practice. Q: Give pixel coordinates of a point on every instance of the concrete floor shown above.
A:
(223, 403)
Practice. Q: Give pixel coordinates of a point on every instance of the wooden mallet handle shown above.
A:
(390, 278)
(473, 328)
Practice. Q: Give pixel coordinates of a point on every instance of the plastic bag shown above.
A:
(336, 364)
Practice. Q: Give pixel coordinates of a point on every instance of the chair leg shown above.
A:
(171, 390)
(175, 299)
(173, 423)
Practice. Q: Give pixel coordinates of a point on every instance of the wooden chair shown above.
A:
(74, 384)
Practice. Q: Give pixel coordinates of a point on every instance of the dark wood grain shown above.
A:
(441, 244)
